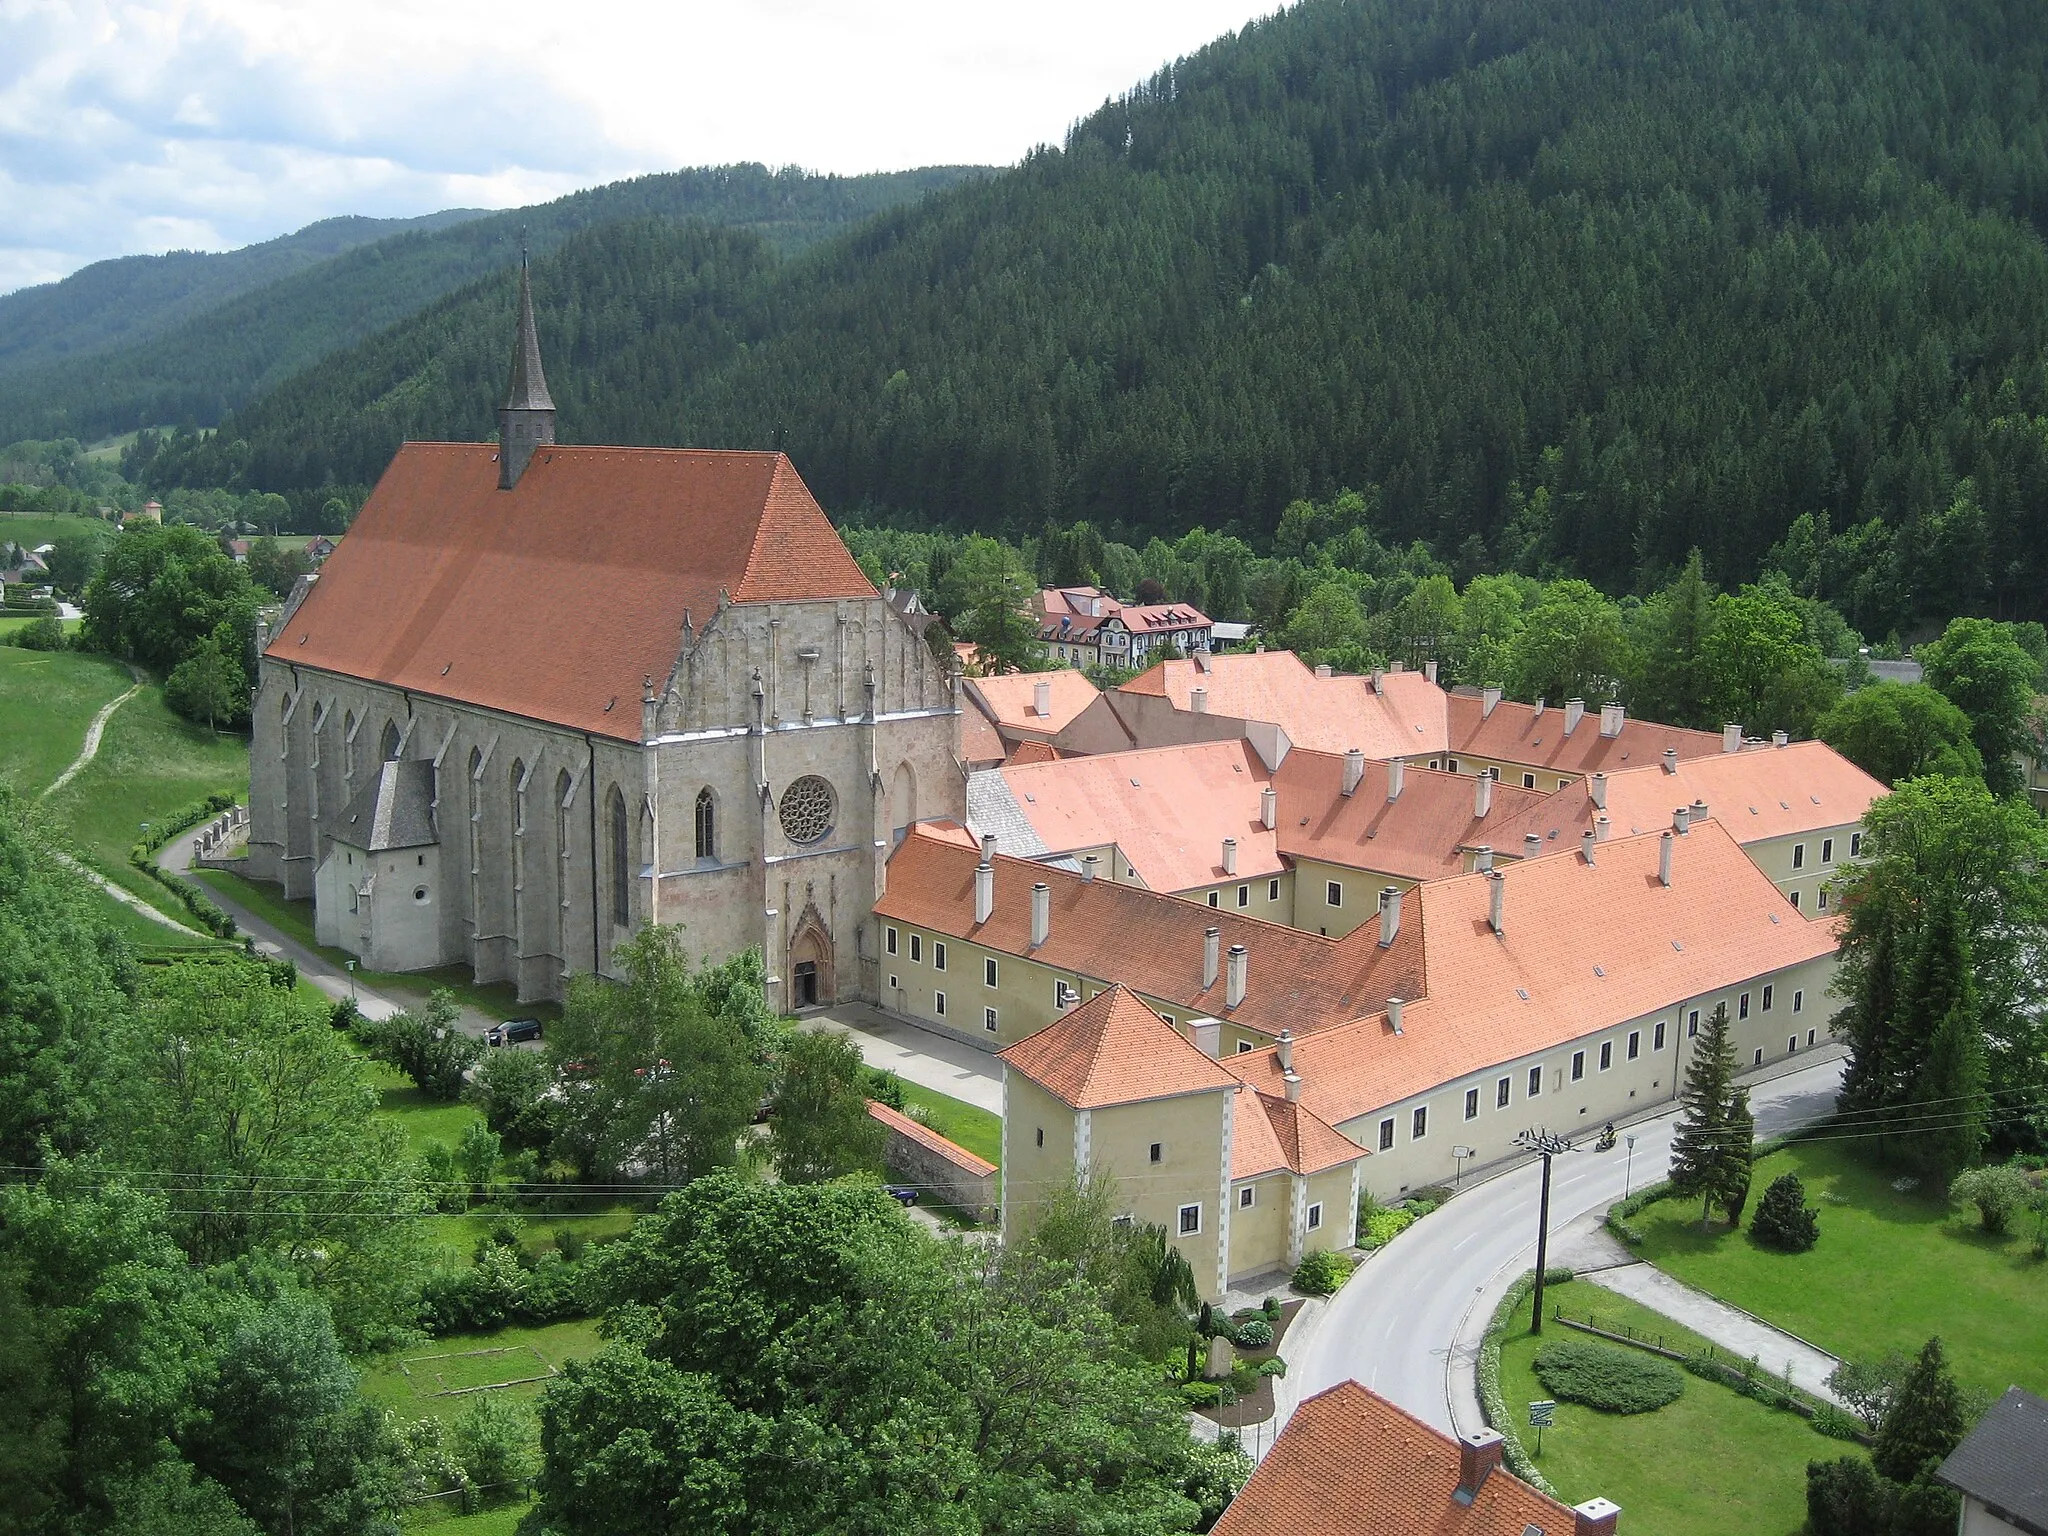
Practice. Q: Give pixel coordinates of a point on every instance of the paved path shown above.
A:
(93, 732)
(1409, 1323)
(921, 1056)
(1734, 1330)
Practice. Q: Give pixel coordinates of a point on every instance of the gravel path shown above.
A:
(1731, 1328)
(93, 733)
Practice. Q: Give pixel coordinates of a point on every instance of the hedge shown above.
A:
(142, 856)
(1604, 1377)
(1491, 1403)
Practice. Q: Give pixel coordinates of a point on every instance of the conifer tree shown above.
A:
(1925, 1421)
(1699, 1146)
(1738, 1155)
(1935, 1053)
(1869, 978)
(1952, 1105)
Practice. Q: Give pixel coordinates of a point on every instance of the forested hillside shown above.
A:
(1563, 284)
(252, 340)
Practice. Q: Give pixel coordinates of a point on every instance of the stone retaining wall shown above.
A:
(947, 1171)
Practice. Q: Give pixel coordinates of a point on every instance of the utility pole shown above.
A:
(1545, 1146)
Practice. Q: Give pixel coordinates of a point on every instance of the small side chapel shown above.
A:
(545, 694)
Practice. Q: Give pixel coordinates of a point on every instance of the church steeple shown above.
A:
(526, 420)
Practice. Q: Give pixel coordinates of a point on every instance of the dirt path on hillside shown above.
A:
(93, 733)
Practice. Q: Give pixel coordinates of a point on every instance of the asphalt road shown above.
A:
(1408, 1324)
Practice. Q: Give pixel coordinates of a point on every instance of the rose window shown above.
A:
(806, 809)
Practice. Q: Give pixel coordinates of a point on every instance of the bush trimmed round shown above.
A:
(1605, 1377)
(1255, 1334)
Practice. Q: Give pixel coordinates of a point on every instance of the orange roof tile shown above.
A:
(554, 599)
(1268, 1134)
(1417, 837)
(925, 1136)
(1516, 733)
(1111, 932)
(1349, 1463)
(1115, 1050)
(1326, 714)
(1033, 752)
(1010, 700)
(980, 744)
(1584, 947)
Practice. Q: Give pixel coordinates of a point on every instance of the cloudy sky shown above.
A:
(131, 126)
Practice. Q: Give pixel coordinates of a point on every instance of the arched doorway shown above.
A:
(810, 963)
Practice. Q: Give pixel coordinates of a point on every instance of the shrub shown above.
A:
(1491, 1401)
(1322, 1274)
(1273, 1365)
(1601, 1376)
(1435, 1195)
(1846, 1498)
(1271, 1307)
(44, 634)
(1256, 1334)
(1835, 1424)
(1385, 1226)
(1868, 1387)
(1783, 1220)
(1244, 1378)
(1998, 1193)
(570, 1243)
(1200, 1394)
(344, 1013)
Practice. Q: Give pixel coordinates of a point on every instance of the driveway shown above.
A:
(1409, 1323)
(921, 1056)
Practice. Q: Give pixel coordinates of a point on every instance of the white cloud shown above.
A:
(140, 125)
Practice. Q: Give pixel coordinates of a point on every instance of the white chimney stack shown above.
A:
(1539, 709)
(1283, 1050)
(1429, 670)
(1269, 807)
(984, 890)
(1394, 1007)
(1397, 770)
(1731, 737)
(1599, 783)
(1233, 987)
(1532, 844)
(988, 847)
(1664, 859)
(1496, 902)
(1680, 820)
(1489, 700)
(1041, 700)
(1780, 739)
(1379, 681)
(1041, 913)
(1482, 794)
(1354, 770)
(1198, 700)
(1602, 829)
(1322, 669)
(1611, 716)
(1088, 863)
(1482, 858)
(1699, 811)
(1671, 759)
(1390, 915)
(1574, 711)
(1230, 855)
(1587, 840)
(1293, 1085)
(1212, 955)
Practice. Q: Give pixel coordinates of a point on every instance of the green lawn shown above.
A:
(1891, 1268)
(971, 1126)
(48, 698)
(31, 529)
(400, 1381)
(1710, 1463)
(443, 1519)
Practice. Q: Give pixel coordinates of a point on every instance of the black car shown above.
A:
(513, 1032)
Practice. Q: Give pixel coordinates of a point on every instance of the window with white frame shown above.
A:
(1769, 991)
(1418, 1126)
(1156, 1153)
(938, 954)
(1793, 897)
(1247, 1197)
(1190, 1220)
(916, 948)
(1799, 855)
(1635, 1044)
(1213, 901)
(1606, 1054)
(1333, 893)
(1315, 1215)
(1742, 1006)
(1692, 1024)
(1855, 844)
(988, 970)
(889, 940)
(1244, 895)
(939, 1004)
(1578, 1065)
(1244, 1047)
(1501, 1091)
(1535, 1081)
(1827, 850)
(1273, 890)
(1387, 1135)
(1821, 901)
(1798, 999)
(1528, 781)
(988, 1020)
(1471, 1103)
(1657, 1037)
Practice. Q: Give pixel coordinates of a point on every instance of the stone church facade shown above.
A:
(622, 686)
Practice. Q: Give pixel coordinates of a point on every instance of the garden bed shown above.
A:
(1256, 1406)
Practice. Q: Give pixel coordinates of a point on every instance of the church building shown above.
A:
(543, 695)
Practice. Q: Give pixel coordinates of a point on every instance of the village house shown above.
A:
(2001, 1469)
(1085, 627)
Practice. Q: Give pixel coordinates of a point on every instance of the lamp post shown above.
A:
(1545, 1146)
(351, 978)
(1628, 1167)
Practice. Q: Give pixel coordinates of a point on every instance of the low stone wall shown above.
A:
(222, 843)
(944, 1169)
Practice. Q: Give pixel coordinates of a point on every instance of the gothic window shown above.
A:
(387, 746)
(348, 745)
(563, 785)
(518, 800)
(707, 825)
(622, 875)
(806, 810)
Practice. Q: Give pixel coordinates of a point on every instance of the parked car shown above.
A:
(513, 1032)
(902, 1194)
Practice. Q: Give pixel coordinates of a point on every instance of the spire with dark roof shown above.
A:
(526, 420)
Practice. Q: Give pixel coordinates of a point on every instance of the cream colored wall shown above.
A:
(1578, 1109)
(1361, 897)
(1773, 855)
(1332, 1187)
(1259, 898)
(1258, 1236)
(1978, 1520)
(1547, 780)
(1192, 1131)
(1038, 1149)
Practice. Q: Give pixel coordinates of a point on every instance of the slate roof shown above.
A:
(552, 600)
(393, 810)
(1115, 1050)
(2003, 1462)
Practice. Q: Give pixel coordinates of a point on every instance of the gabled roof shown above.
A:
(1516, 733)
(1349, 1463)
(393, 810)
(895, 1120)
(554, 600)
(2003, 1462)
(1327, 714)
(1269, 1134)
(1159, 618)
(1010, 700)
(1583, 948)
(1033, 752)
(1419, 836)
(1110, 932)
(1115, 1050)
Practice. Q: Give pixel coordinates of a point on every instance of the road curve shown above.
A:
(1408, 1324)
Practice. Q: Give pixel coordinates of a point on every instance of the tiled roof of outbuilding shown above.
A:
(1008, 700)
(1268, 1134)
(1326, 714)
(1115, 1050)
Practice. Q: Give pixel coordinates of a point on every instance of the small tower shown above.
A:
(527, 418)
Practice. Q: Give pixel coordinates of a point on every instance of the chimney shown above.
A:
(1479, 1457)
(1041, 913)
(1671, 759)
(1322, 669)
(1041, 700)
(1397, 770)
(1233, 985)
(1230, 855)
(1595, 1517)
(1611, 716)
(1394, 1007)
(1574, 710)
(1489, 698)
(1293, 1083)
(1602, 828)
(1532, 844)
(1198, 700)
(1599, 784)
(1354, 770)
(988, 847)
(1379, 681)
(1482, 794)
(1212, 951)
(1269, 807)
(984, 890)
(1088, 863)
(1699, 811)
(1680, 820)
(1429, 670)
(1587, 840)
(1496, 902)
(1731, 737)
(1664, 859)
(1482, 858)
(1283, 1050)
(1779, 739)
(1390, 915)
(1539, 709)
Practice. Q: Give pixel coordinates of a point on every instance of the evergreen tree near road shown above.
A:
(1926, 1419)
(1783, 1219)
(1710, 1151)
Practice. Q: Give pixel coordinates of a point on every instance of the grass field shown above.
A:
(31, 530)
(1710, 1463)
(971, 1126)
(439, 1518)
(1891, 1269)
(48, 699)
(407, 1388)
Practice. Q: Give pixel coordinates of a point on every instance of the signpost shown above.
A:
(1541, 1415)
(1458, 1155)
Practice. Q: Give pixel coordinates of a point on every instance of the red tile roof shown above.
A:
(1515, 733)
(1009, 700)
(1033, 752)
(931, 1140)
(1268, 1134)
(1349, 1463)
(1417, 837)
(1115, 1050)
(554, 599)
(1327, 714)
(1113, 932)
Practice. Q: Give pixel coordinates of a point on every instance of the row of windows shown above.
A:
(1450, 765)
(1827, 850)
(1821, 904)
(1244, 894)
(891, 940)
(1190, 1221)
